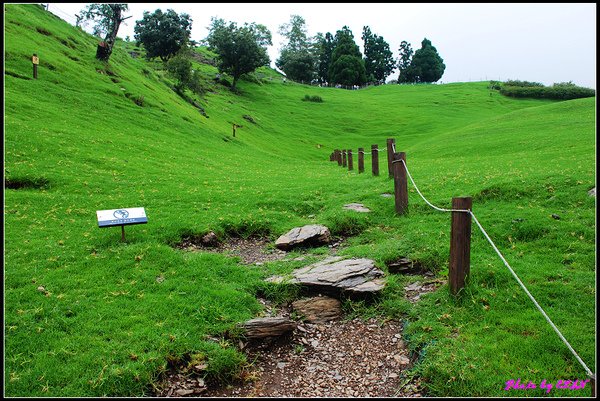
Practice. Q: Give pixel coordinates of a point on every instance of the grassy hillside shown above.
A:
(87, 315)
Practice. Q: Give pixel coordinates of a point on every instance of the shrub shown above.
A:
(495, 85)
(524, 84)
(558, 91)
(315, 98)
(553, 92)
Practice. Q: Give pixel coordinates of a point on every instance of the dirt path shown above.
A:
(340, 358)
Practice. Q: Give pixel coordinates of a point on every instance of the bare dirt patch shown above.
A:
(251, 250)
(340, 358)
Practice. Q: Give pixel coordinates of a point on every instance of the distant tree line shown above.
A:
(324, 58)
(330, 59)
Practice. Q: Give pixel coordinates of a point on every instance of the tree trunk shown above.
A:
(104, 49)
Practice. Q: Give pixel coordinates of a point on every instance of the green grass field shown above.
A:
(76, 141)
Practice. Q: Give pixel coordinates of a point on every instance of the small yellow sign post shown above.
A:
(35, 60)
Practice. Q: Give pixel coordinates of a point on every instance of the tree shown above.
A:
(163, 34)
(324, 45)
(297, 59)
(404, 60)
(379, 60)
(426, 64)
(179, 67)
(107, 19)
(239, 50)
(347, 66)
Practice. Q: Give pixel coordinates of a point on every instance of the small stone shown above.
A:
(556, 217)
(393, 375)
(182, 391)
(592, 192)
(41, 289)
(357, 207)
(281, 365)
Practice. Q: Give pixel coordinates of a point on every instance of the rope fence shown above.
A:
(460, 238)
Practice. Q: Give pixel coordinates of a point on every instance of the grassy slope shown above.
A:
(108, 325)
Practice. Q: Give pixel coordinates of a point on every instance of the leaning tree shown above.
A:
(107, 19)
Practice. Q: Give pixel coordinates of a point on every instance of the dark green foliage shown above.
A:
(379, 61)
(297, 60)
(163, 34)
(297, 66)
(406, 53)
(347, 66)
(314, 98)
(558, 91)
(495, 85)
(426, 64)
(324, 50)
(524, 84)
(239, 50)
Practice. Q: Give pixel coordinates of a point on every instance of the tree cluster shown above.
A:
(424, 66)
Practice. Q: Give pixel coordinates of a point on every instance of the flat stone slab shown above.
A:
(592, 192)
(309, 235)
(358, 207)
(263, 327)
(318, 309)
(357, 276)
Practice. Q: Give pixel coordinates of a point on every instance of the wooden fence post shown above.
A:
(350, 165)
(400, 184)
(338, 156)
(390, 155)
(35, 61)
(375, 159)
(344, 162)
(361, 160)
(460, 245)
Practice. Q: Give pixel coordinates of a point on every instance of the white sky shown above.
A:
(541, 42)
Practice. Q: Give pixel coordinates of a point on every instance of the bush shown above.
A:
(315, 98)
(495, 85)
(557, 92)
(524, 84)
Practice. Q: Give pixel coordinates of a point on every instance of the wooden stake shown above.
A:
(400, 185)
(460, 245)
(390, 155)
(123, 232)
(344, 162)
(338, 156)
(35, 61)
(375, 160)
(350, 165)
(361, 160)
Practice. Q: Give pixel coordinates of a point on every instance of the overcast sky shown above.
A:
(541, 42)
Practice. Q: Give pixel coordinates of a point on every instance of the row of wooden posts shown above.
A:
(460, 232)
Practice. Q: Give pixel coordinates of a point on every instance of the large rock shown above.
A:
(309, 235)
(334, 274)
(318, 309)
(267, 327)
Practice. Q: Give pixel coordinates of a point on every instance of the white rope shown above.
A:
(589, 372)
(426, 201)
